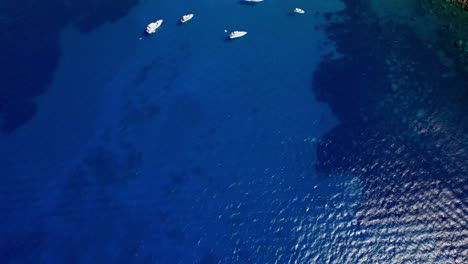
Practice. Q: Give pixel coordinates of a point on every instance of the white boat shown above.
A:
(186, 18)
(237, 34)
(151, 28)
(299, 11)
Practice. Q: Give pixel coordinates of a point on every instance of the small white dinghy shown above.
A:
(237, 34)
(298, 10)
(151, 28)
(186, 18)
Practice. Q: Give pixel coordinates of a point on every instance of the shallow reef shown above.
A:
(393, 77)
(399, 91)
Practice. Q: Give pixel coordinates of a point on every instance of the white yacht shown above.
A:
(186, 18)
(299, 11)
(237, 34)
(151, 28)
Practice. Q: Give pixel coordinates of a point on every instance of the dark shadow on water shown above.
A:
(30, 55)
(145, 35)
(230, 40)
(247, 3)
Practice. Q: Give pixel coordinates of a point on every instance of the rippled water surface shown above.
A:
(336, 136)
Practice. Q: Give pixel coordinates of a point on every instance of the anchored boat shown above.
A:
(186, 18)
(151, 28)
(298, 10)
(237, 34)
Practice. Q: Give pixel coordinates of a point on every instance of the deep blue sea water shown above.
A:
(184, 147)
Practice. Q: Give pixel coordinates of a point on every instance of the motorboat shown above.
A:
(186, 18)
(151, 28)
(298, 10)
(237, 34)
(250, 2)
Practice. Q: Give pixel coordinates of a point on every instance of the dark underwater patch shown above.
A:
(30, 48)
(145, 71)
(360, 88)
(20, 247)
(403, 124)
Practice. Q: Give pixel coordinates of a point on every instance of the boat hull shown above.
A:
(237, 34)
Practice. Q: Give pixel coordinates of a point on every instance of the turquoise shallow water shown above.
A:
(184, 147)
